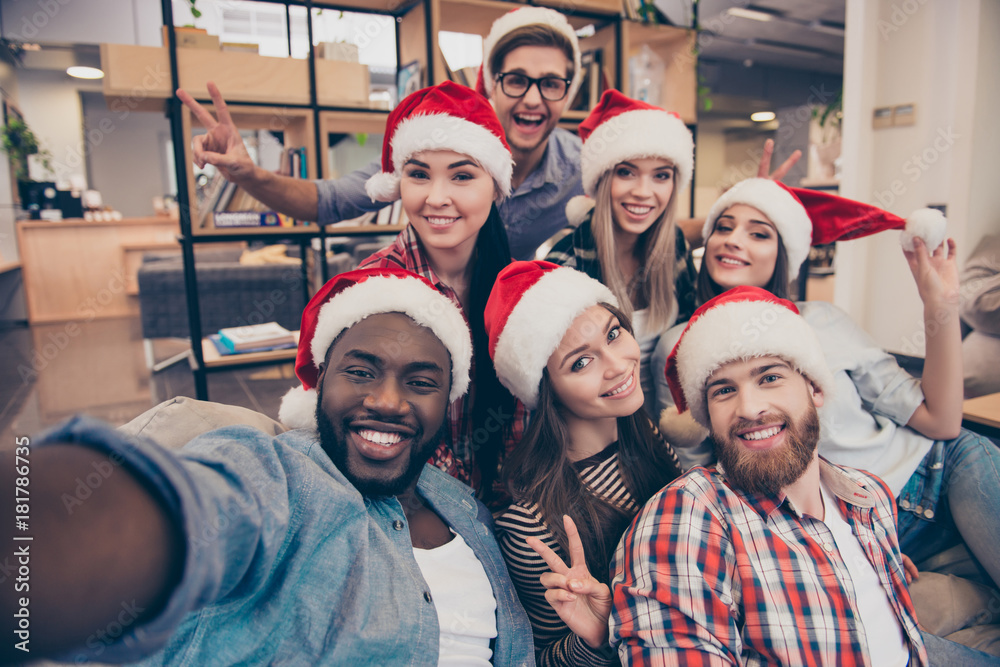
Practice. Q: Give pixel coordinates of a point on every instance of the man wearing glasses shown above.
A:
(530, 72)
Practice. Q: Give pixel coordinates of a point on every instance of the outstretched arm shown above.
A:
(89, 559)
(940, 415)
(223, 148)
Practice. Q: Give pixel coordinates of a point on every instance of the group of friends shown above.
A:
(600, 457)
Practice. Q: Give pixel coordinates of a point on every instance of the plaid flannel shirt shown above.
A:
(710, 575)
(579, 251)
(455, 456)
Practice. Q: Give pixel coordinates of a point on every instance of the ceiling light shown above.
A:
(826, 28)
(762, 116)
(752, 14)
(85, 72)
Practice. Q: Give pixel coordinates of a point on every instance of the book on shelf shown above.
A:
(594, 83)
(268, 335)
(221, 348)
(225, 219)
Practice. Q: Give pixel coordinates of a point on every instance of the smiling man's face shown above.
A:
(529, 120)
(383, 395)
(764, 422)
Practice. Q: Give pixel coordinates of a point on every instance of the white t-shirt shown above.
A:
(464, 600)
(886, 643)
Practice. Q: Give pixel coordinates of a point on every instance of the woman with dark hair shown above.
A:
(563, 347)
(445, 157)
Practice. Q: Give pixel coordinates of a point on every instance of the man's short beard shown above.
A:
(768, 472)
(334, 443)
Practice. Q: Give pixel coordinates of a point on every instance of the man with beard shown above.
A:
(326, 545)
(774, 556)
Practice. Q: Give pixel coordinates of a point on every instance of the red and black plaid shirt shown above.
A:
(456, 456)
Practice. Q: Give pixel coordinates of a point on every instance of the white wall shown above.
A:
(51, 107)
(925, 52)
(127, 153)
(984, 195)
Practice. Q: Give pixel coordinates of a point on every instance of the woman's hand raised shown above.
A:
(582, 602)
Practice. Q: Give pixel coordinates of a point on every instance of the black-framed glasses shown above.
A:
(551, 88)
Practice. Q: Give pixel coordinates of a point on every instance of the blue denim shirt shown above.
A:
(534, 211)
(287, 563)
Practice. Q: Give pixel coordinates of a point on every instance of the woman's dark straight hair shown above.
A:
(491, 255)
(707, 289)
(539, 471)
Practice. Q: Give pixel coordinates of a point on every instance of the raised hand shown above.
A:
(222, 146)
(582, 602)
(935, 272)
(765, 162)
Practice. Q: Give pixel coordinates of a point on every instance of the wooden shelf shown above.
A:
(349, 122)
(983, 410)
(297, 126)
(676, 46)
(362, 230)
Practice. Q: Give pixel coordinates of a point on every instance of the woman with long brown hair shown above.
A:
(589, 459)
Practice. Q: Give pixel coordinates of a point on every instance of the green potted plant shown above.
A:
(19, 142)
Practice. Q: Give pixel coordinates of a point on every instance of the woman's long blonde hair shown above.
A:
(655, 250)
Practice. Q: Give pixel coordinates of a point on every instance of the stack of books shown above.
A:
(253, 338)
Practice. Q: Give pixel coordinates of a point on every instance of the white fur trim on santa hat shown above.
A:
(537, 324)
(680, 429)
(298, 408)
(525, 16)
(743, 330)
(383, 187)
(443, 132)
(926, 223)
(781, 208)
(578, 208)
(633, 135)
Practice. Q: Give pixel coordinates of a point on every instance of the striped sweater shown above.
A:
(555, 644)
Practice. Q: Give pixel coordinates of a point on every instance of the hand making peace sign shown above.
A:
(222, 146)
(582, 602)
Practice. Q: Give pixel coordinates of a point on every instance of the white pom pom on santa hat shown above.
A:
(928, 224)
(578, 208)
(680, 429)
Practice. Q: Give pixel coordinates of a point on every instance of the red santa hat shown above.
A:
(445, 117)
(806, 218)
(353, 296)
(740, 324)
(620, 128)
(529, 310)
(523, 17)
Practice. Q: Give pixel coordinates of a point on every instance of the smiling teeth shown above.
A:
(530, 117)
(761, 435)
(622, 388)
(637, 210)
(732, 262)
(441, 221)
(380, 437)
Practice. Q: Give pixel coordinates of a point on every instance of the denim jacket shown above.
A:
(287, 563)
